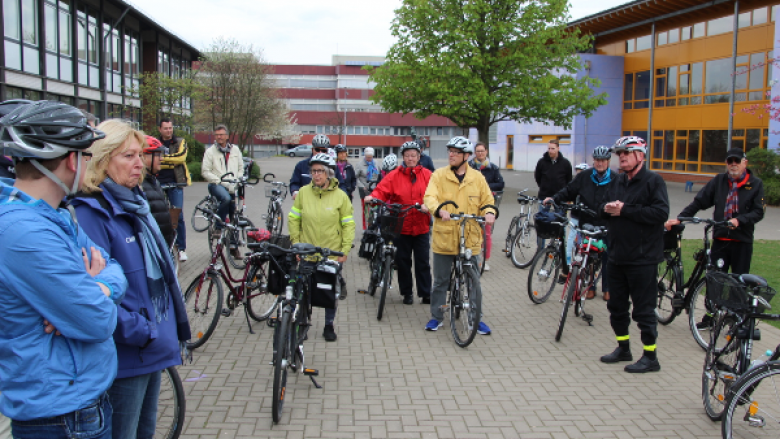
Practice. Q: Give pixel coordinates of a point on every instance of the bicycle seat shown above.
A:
(522, 200)
(304, 247)
(753, 281)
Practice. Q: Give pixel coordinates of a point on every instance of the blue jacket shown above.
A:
(348, 181)
(43, 278)
(301, 176)
(427, 162)
(142, 344)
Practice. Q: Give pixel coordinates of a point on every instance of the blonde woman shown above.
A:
(152, 321)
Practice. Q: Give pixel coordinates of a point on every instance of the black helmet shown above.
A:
(340, 148)
(410, 145)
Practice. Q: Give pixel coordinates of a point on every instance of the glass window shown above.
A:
(30, 21)
(770, 56)
(641, 104)
(630, 46)
(714, 145)
(64, 26)
(50, 16)
(628, 87)
(92, 41)
(13, 55)
(658, 148)
(720, 25)
(686, 33)
(774, 12)
(671, 89)
(693, 146)
(66, 69)
(742, 59)
(52, 68)
(753, 139)
(698, 30)
(697, 74)
(663, 38)
(373, 130)
(365, 130)
(757, 74)
(660, 86)
(31, 63)
(668, 145)
(11, 19)
(759, 16)
(740, 78)
(718, 79)
(674, 36)
(642, 87)
(81, 35)
(643, 43)
(744, 20)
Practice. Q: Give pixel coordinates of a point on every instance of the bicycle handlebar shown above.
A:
(575, 207)
(710, 222)
(297, 250)
(400, 208)
(243, 181)
(463, 215)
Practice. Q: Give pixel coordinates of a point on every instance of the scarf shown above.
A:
(226, 149)
(341, 166)
(599, 179)
(481, 165)
(371, 171)
(732, 200)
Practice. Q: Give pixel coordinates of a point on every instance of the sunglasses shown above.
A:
(733, 161)
(622, 151)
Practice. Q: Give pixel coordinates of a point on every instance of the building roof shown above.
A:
(145, 17)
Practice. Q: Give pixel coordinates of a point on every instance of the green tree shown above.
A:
(478, 62)
(166, 96)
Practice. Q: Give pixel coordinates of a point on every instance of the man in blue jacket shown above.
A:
(59, 291)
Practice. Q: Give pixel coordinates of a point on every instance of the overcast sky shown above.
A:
(297, 31)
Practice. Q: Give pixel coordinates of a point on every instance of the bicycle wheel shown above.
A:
(465, 306)
(524, 247)
(204, 305)
(697, 310)
(510, 236)
(275, 221)
(281, 359)
(200, 221)
(667, 287)
(239, 241)
(543, 275)
(377, 273)
(210, 237)
(387, 277)
(574, 282)
(259, 302)
(753, 406)
(721, 365)
(171, 406)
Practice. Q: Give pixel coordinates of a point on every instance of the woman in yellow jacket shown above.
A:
(322, 216)
(467, 187)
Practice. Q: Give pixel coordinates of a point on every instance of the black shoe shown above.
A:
(562, 278)
(425, 300)
(645, 364)
(408, 300)
(328, 333)
(619, 354)
(705, 323)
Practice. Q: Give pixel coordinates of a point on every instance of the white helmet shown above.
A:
(582, 166)
(390, 162)
(323, 159)
(630, 143)
(320, 141)
(461, 143)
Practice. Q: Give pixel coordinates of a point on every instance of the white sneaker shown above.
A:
(487, 267)
(182, 256)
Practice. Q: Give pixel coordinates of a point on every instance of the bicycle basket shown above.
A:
(545, 229)
(279, 187)
(672, 236)
(725, 291)
(767, 293)
(390, 225)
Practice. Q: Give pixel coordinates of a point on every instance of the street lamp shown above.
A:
(346, 95)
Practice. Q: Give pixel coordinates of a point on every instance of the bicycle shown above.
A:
(204, 305)
(674, 296)
(497, 196)
(391, 220)
(238, 237)
(738, 300)
(753, 399)
(548, 262)
(171, 405)
(521, 243)
(200, 222)
(584, 273)
(369, 213)
(465, 298)
(293, 316)
(276, 191)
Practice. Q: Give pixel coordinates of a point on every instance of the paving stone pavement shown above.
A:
(392, 379)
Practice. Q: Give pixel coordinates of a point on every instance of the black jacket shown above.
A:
(584, 190)
(552, 177)
(348, 181)
(750, 206)
(159, 207)
(635, 237)
(492, 175)
(167, 175)
(427, 162)
(6, 167)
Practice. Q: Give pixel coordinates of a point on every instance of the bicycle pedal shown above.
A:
(271, 322)
(311, 372)
(226, 312)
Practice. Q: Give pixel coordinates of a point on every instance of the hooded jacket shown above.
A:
(552, 177)
(750, 207)
(585, 190)
(43, 278)
(143, 344)
(322, 217)
(469, 195)
(398, 187)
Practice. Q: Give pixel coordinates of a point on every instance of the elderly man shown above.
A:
(218, 160)
(367, 172)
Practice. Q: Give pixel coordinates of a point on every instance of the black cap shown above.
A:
(736, 153)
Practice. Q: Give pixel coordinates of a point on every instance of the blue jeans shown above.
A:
(135, 405)
(176, 198)
(91, 422)
(226, 206)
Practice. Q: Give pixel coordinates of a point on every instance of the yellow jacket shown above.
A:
(177, 158)
(322, 217)
(469, 195)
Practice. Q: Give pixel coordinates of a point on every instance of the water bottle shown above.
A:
(761, 360)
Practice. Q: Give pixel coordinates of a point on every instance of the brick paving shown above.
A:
(392, 379)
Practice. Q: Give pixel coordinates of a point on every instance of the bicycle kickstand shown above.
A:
(588, 318)
(246, 314)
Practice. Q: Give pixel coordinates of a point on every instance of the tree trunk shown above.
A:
(483, 129)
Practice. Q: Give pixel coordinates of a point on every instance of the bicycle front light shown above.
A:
(468, 253)
(288, 293)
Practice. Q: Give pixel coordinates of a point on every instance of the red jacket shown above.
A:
(397, 187)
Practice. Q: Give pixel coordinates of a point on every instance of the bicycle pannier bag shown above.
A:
(276, 279)
(368, 244)
(322, 289)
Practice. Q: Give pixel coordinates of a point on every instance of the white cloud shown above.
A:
(296, 31)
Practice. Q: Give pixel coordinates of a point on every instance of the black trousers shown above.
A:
(420, 247)
(736, 255)
(637, 284)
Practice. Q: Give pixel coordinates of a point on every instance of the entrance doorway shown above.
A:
(510, 152)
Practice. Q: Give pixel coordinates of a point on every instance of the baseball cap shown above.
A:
(736, 153)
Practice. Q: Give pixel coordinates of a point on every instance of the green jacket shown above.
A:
(322, 217)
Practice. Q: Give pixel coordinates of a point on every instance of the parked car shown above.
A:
(300, 151)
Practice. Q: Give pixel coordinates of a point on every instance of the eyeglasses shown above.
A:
(454, 151)
(733, 161)
(87, 155)
(318, 171)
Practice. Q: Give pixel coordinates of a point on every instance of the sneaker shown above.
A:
(483, 329)
(183, 256)
(487, 267)
(705, 323)
(425, 300)
(434, 325)
(329, 334)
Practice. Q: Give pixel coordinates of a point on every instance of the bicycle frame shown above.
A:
(702, 266)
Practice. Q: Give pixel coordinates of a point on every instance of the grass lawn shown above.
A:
(765, 263)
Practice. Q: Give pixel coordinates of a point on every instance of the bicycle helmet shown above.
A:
(390, 162)
(340, 148)
(630, 143)
(582, 167)
(602, 153)
(410, 145)
(154, 146)
(324, 159)
(320, 141)
(461, 143)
